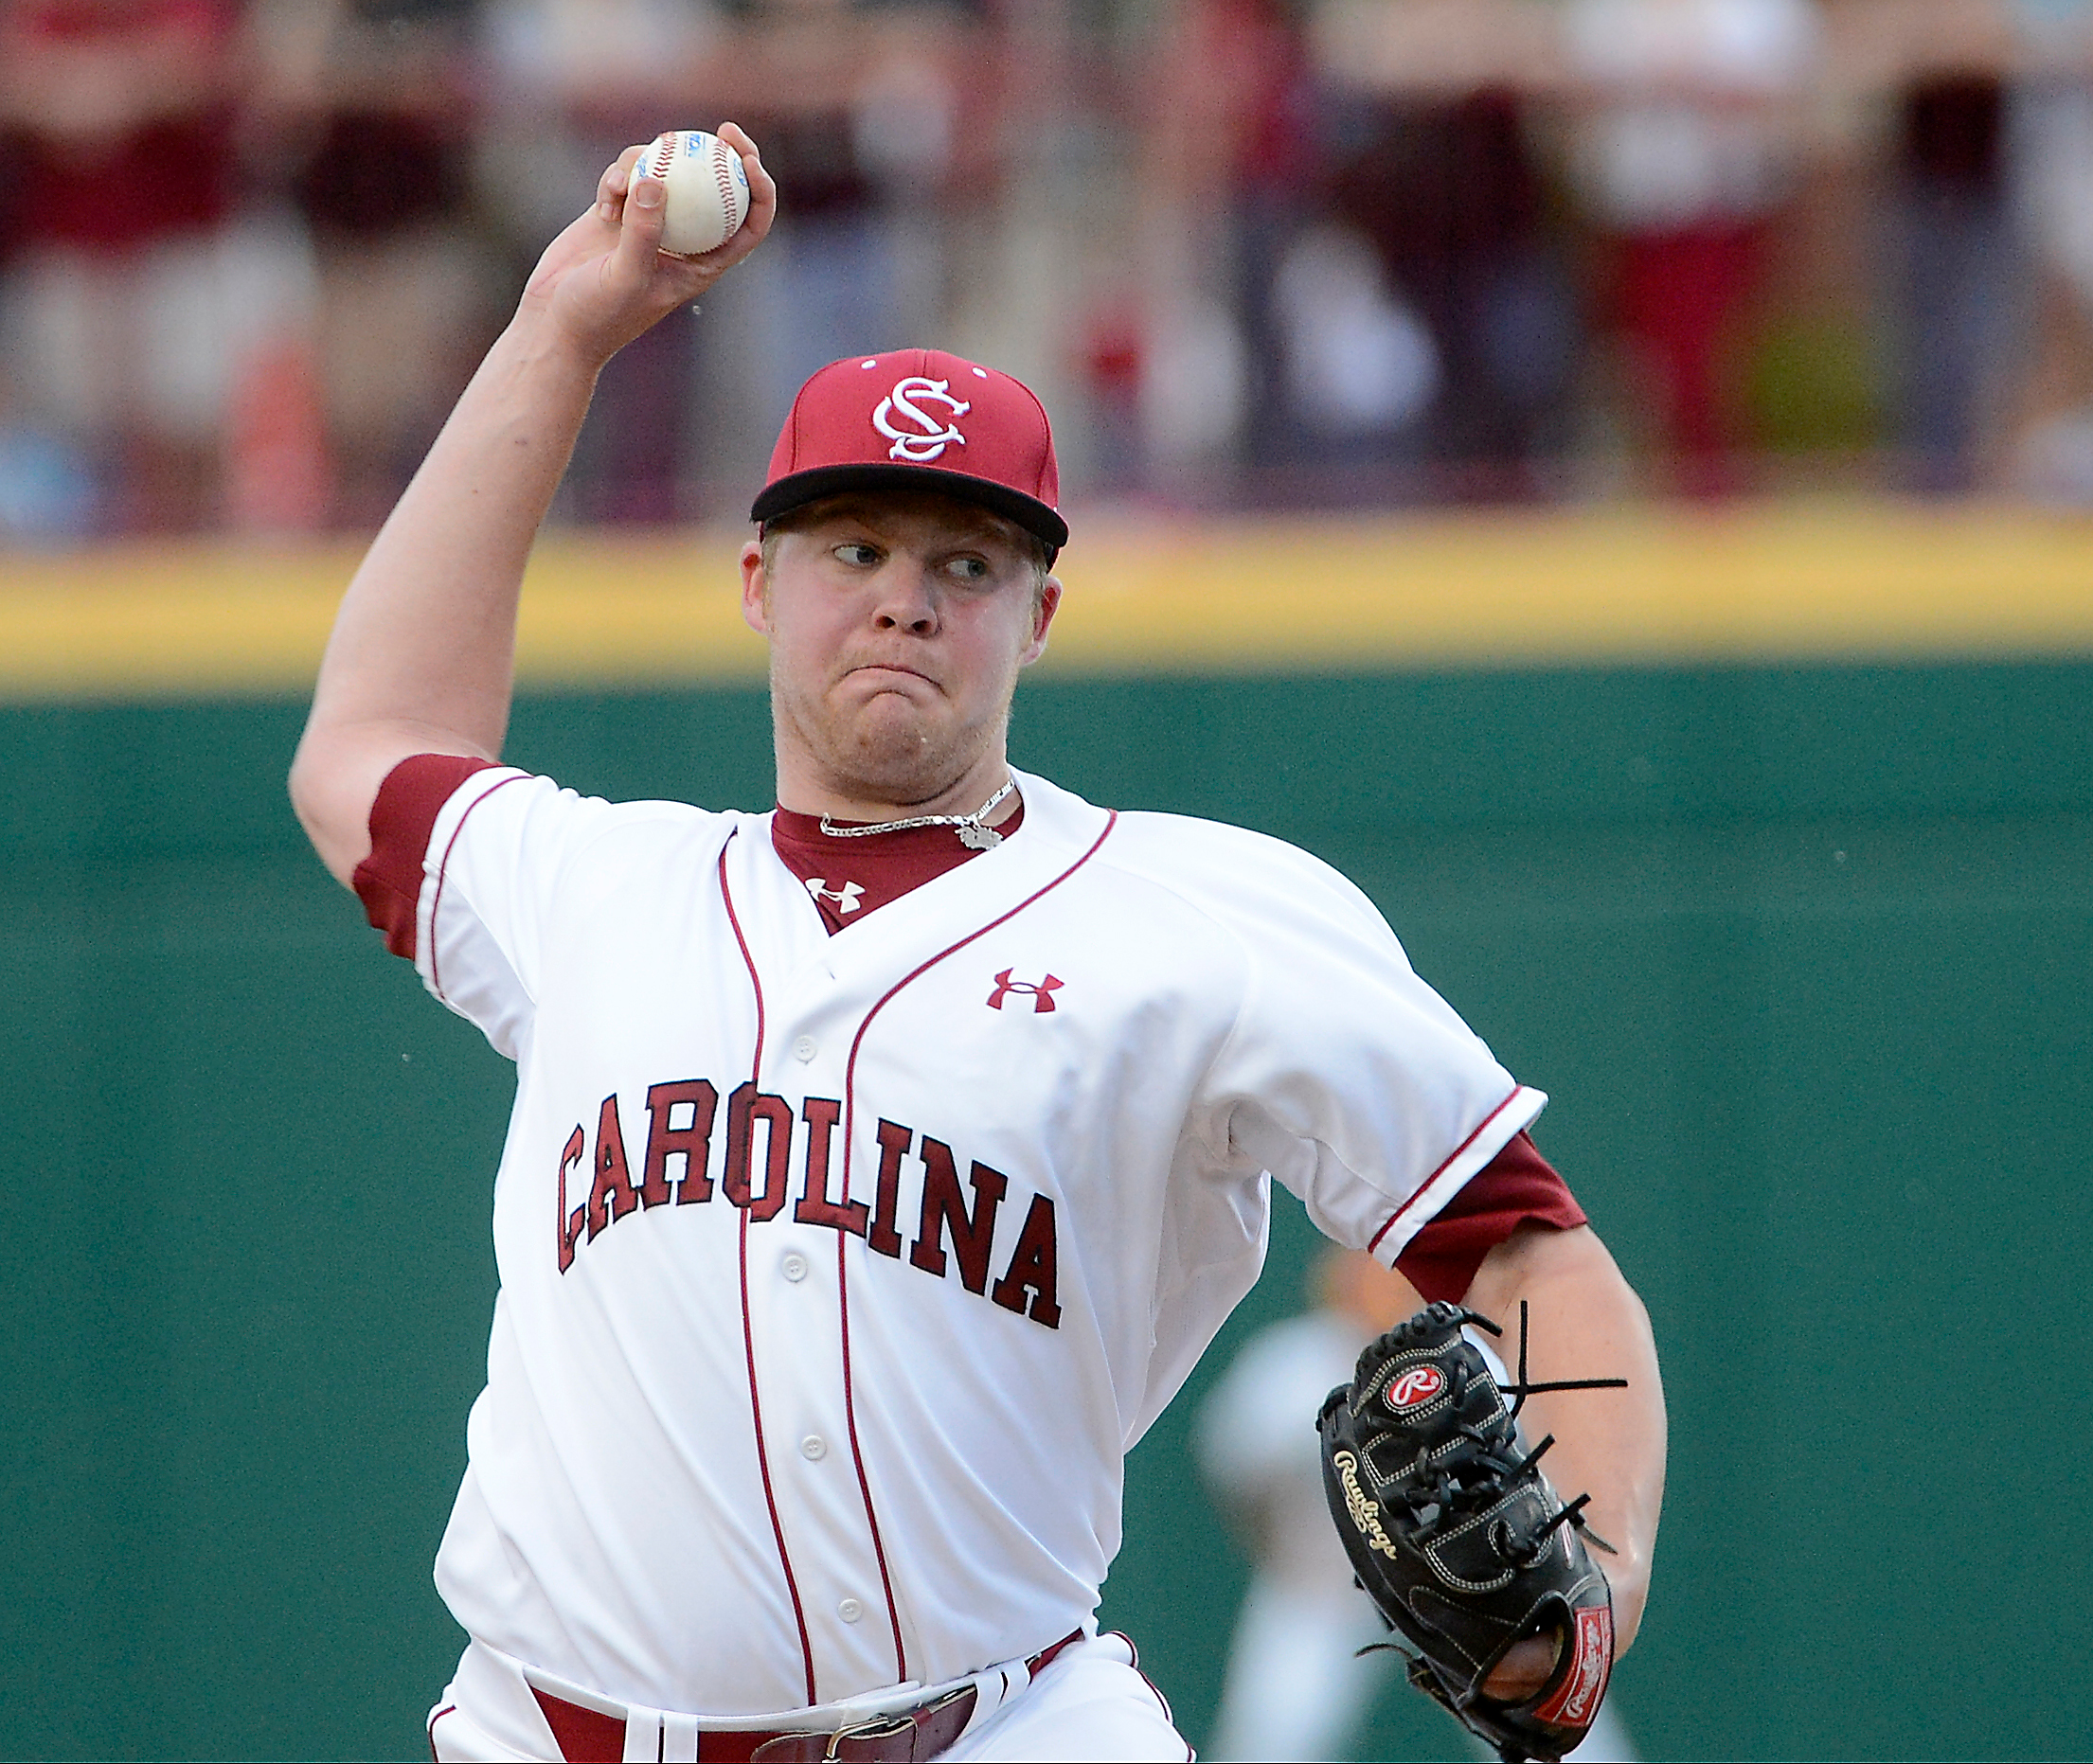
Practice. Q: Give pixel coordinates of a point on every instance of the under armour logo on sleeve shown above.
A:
(846, 898)
(1042, 994)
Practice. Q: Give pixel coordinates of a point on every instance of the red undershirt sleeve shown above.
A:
(388, 882)
(1516, 1186)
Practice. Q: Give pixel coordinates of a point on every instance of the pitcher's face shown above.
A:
(897, 625)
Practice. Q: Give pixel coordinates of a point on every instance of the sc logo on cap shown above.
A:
(928, 437)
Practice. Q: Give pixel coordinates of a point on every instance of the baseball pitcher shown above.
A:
(880, 1165)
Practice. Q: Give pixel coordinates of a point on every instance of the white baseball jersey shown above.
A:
(840, 1272)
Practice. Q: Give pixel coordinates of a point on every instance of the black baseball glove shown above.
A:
(1459, 1539)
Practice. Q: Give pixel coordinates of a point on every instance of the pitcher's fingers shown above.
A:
(1526, 1666)
(762, 188)
(617, 178)
(744, 239)
(639, 231)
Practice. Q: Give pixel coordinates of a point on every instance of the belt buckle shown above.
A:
(887, 1727)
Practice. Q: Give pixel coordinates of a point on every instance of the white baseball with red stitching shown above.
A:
(708, 189)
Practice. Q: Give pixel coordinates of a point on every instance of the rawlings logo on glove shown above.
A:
(1456, 1536)
(1364, 1514)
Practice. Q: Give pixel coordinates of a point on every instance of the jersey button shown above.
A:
(805, 1048)
(814, 1447)
(794, 1267)
(849, 1610)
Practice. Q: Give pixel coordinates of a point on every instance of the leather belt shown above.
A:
(898, 1736)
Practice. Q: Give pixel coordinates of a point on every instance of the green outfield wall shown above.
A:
(1803, 954)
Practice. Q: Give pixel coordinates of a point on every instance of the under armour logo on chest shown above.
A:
(1042, 994)
(847, 898)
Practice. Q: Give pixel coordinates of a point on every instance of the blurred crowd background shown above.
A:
(1351, 252)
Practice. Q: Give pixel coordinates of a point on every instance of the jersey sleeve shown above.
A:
(388, 882)
(465, 861)
(1518, 1187)
(1345, 1075)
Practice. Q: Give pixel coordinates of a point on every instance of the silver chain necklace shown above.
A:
(973, 834)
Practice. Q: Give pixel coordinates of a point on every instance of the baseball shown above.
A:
(708, 189)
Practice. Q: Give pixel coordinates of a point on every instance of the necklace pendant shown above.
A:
(978, 838)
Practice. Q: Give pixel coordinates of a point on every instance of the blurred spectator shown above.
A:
(582, 47)
(1958, 275)
(857, 264)
(1360, 366)
(859, 257)
(1449, 190)
(1285, 249)
(2050, 149)
(1219, 191)
(1263, 371)
(574, 84)
(238, 283)
(1683, 154)
(126, 303)
(1112, 362)
(409, 293)
(47, 488)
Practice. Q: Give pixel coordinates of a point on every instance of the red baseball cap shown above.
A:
(918, 420)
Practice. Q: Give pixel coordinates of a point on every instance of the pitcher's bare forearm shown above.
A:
(422, 656)
(1584, 1320)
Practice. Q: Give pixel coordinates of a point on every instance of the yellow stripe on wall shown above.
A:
(1760, 583)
